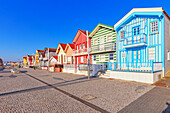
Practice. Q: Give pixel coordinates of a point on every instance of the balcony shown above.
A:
(80, 52)
(135, 41)
(105, 47)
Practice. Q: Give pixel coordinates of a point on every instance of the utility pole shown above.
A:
(88, 55)
(48, 57)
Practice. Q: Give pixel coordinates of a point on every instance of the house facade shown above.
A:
(49, 52)
(142, 45)
(25, 63)
(80, 52)
(37, 55)
(61, 53)
(103, 44)
(69, 53)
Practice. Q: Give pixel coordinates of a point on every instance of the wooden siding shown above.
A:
(103, 32)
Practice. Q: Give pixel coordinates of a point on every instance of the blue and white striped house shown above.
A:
(143, 36)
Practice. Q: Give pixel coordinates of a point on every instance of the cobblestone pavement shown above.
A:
(111, 95)
(156, 100)
(21, 93)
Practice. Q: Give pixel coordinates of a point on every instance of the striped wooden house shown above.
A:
(142, 45)
(103, 44)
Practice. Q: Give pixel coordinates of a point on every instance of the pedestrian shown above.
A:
(34, 67)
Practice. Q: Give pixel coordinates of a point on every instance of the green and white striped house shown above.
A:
(103, 44)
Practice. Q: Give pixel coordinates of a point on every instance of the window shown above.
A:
(80, 46)
(83, 45)
(109, 38)
(122, 34)
(69, 59)
(152, 53)
(94, 58)
(138, 54)
(123, 54)
(95, 41)
(82, 59)
(136, 31)
(111, 56)
(102, 57)
(64, 58)
(168, 55)
(134, 55)
(154, 26)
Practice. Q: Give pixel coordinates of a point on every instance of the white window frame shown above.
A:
(122, 34)
(95, 41)
(152, 53)
(82, 59)
(109, 37)
(168, 56)
(102, 57)
(154, 26)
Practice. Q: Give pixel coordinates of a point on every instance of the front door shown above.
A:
(136, 58)
(61, 59)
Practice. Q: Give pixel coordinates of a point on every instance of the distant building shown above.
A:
(1, 62)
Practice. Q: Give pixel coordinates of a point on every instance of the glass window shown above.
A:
(82, 59)
(111, 56)
(84, 45)
(154, 26)
(95, 41)
(80, 46)
(122, 34)
(168, 55)
(94, 58)
(136, 31)
(134, 54)
(138, 54)
(109, 37)
(151, 53)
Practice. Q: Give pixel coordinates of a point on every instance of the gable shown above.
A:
(103, 32)
(69, 52)
(139, 12)
(81, 38)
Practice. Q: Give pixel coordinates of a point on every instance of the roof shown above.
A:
(61, 45)
(24, 56)
(158, 9)
(56, 57)
(166, 14)
(98, 27)
(78, 34)
(51, 49)
(40, 50)
(72, 46)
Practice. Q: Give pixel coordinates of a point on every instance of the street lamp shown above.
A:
(88, 55)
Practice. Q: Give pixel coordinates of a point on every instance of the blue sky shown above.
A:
(27, 25)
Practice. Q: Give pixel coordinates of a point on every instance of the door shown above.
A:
(101, 43)
(61, 59)
(136, 58)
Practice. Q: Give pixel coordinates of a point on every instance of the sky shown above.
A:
(27, 25)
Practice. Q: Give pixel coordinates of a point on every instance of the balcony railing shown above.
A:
(149, 67)
(109, 46)
(137, 39)
(80, 51)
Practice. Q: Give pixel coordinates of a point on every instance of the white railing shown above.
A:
(157, 66)
(69, 66)
(108, 46)
(80, 51)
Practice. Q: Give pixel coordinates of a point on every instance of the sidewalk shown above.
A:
(109, 94)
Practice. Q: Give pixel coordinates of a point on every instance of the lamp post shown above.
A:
(88, 55)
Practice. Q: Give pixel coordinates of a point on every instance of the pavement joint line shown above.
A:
(72, 96)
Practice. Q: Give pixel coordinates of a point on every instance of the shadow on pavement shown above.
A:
(167, 110)
(65, 83)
